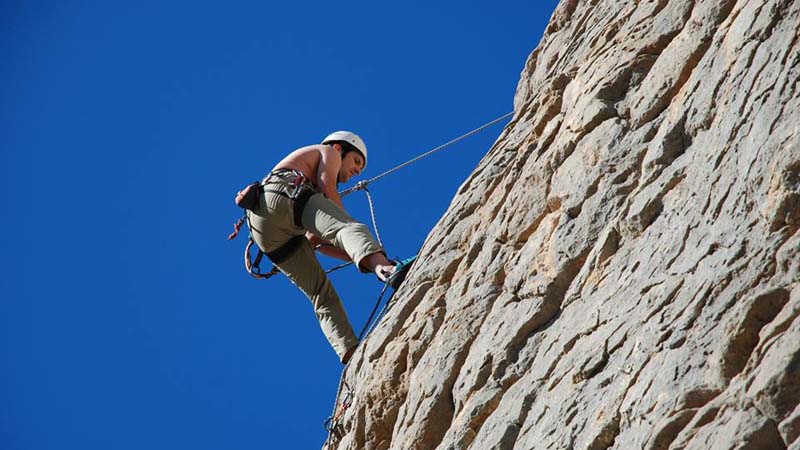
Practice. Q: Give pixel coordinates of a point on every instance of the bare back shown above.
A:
(306, 160)
(320, 164)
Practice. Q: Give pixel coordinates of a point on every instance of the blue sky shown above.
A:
(127, 320)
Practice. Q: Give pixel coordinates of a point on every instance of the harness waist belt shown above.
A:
(302, 192)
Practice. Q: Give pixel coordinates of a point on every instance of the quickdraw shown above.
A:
(333, 424)
(300, 199)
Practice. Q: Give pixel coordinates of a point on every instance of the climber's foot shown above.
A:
(349, 354)
(384, 272)
(398, 274)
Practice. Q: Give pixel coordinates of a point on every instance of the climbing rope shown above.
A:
(333, 423)
(363, 185)
(372, 214)
(369, 325)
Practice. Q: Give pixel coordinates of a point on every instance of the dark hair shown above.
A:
(347, 148)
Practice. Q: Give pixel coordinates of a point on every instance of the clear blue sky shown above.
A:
(127, 320)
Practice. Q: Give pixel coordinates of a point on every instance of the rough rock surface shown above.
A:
(622, 270)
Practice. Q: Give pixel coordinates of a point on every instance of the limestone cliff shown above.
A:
(622, 269)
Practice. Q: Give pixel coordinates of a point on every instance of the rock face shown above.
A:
(622, 270)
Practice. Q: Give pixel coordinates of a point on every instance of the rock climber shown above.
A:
(301, 211)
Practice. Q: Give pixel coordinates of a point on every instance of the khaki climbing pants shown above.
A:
(272, 225)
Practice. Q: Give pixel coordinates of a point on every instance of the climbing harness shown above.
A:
(333, 424)
(247, 199)
(252, 265)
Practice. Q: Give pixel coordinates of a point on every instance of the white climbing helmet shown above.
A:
(352, 139)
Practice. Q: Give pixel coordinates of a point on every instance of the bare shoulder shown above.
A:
(326, 150)
(305, 159)
(316, 152)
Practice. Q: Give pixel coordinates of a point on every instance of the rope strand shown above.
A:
(372, 213)
(332, 424)
(362, 185)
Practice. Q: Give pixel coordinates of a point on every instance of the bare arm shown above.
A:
(326, 248)
(330, 162)
(328, 173)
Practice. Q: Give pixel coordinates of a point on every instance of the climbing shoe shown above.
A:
(400, 271)
(349, 354)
